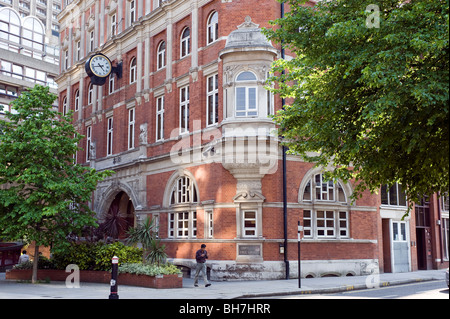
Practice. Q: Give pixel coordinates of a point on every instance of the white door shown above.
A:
(400, 247)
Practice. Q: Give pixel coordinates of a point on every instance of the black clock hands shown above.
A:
(99, 65)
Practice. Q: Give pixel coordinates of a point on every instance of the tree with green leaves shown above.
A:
(43, 195)
(367, 90)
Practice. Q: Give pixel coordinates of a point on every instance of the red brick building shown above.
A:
(187, 132)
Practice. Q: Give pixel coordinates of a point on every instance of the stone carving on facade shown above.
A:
(112, 5)
(138, 98)
(92, 151)
(168, 84)
(143, 134)
(229, 75)
(249, 196)
(248, 24)
(194, 74)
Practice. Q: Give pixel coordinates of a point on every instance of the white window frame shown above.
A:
(247, 111)
(88, 142)
(212, 29)
(78, 46)
(184, 191)
(91, 41)
(185, 43)
(342, 228)
(160, 118)
(322, 223)
(209, 218)
(113, 24)
(315, 189)
(212, 99)
(111, 83)
(133, 70)
(77, 100)
(90, 93)
(132, 11)
(64, 108)
(183, 197)
(131, 126)
(161, 56)
(253, 220)
(399, 231)
(109, 136)
(444, 202)
(66, 59)
(335, 221)
(171, 223)
(184, 109)
(182, 224)
(308, 219)
(397, 187)
(445, 237)
(323, 190)
(246, 86)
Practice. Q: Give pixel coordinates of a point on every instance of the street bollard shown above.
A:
(114, 274)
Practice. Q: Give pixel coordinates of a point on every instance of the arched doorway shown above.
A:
(119, 217)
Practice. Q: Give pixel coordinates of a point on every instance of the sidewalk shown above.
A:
(218, 290)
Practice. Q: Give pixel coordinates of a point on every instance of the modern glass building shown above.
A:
(27, 55)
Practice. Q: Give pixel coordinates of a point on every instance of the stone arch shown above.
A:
(109, 194)
(120, 205)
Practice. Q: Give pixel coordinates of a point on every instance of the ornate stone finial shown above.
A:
(248, 24)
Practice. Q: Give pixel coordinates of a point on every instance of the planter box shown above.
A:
(159, 282)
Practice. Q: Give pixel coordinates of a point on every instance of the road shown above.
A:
(421, 290)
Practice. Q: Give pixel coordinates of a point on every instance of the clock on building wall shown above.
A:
(99, 67)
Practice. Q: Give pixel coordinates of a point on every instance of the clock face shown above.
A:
(100, 65)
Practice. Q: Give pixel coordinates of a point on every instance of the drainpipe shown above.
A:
(441, 248)
(286, 260)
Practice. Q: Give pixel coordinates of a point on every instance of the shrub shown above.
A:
(149, 269)
(25, 265)
(157, 252)
(96, 256)
(82, 254)
(126, 254)
(43, 263)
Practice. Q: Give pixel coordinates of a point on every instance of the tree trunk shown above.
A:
(35, 264)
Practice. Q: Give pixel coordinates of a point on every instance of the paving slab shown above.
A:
(10, 289)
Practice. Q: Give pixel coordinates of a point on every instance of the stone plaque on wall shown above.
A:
(249, 250)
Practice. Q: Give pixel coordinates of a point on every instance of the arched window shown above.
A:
(183, 218)
(246, 95)
(185, 43)
(246, 76)
(161, 55)
(133, 71)
(33, 37)
(213, 28)
(183, 192)
(319, 189)
(77, 100)
(10, 28)
(326, 213)
(64, 107)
